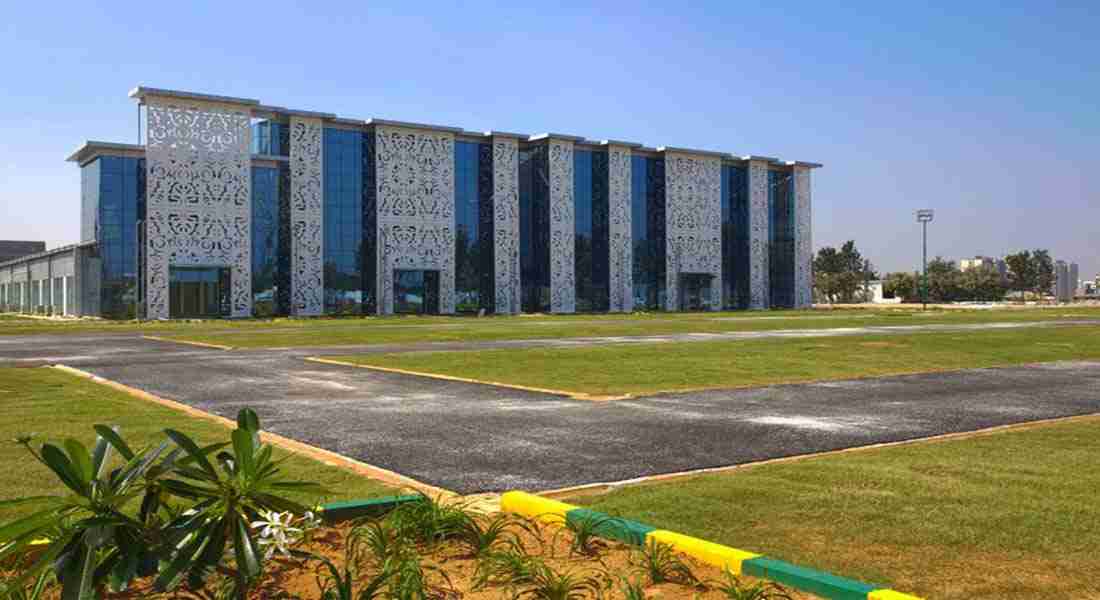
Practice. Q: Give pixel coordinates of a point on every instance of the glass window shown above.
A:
(648, 228)
(265, 242)
(781, 238)
(735, 237)
(534, 213)
(343, 221)
(591, 230)
(473, 226)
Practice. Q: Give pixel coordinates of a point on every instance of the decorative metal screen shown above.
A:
(759, 280)
(562, 233)
(416, 196)
(620, 242)
(804, 248)
(505, 202)
(198, 197)
(307, 278)
(693, 189)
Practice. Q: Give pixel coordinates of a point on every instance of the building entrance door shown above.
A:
(415, 292)
(695, 293)
(198, 292)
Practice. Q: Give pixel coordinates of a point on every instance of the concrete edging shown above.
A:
(158, 338)
(573, 395)
(737, 561)
(319, 454)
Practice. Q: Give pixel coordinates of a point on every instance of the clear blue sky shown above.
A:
(985, 111)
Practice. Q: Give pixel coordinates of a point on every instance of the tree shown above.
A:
(982, 284)
(839, 275)
(901, 285)
(1043, 265)
(943, 280)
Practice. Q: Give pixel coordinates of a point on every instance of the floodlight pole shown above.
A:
(924, 217)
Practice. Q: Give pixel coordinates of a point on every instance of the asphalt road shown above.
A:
(472, 438)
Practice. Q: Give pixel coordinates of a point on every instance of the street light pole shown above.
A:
(924, 217)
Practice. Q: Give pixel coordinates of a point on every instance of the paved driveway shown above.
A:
(470, 438)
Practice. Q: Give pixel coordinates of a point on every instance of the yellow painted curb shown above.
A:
(890, 595)
(574, 395)
(187, 342)
(718, 555)
(530, 505)
(319, 454)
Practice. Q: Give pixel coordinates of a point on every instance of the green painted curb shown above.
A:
(807, 580)
(615, 528)
(353, 509)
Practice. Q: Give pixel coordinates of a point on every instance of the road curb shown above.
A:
(566, 393)
(157, 338)
(737, 561)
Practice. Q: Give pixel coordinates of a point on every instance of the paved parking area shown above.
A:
(471, 438)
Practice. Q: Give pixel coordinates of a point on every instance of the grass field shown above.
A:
(1011, 515)
(55, 405)
(649, 368)
(255, 333)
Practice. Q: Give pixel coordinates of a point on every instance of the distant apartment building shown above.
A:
(1066, 281)
(985, 262)
(11, 249)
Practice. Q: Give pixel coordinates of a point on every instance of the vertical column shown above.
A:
(563, 291)
(693, 224)
(307, 285)
(620, 242)
(803, 239)
(505, 201)
(198, 196)
(759, 280)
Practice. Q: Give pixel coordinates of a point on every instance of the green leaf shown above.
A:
(247, 420)
(244, 450)
(111, 435)
(101, 457)
(30, 499)
(82, 461)
(211, 556)
(193, 451)
(60, 464)
(171, 574)
(244, 548)
(39, 521)
(78, 575)
(125, 570)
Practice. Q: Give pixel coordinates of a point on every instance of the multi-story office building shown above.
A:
(235, 208)
(985, 262)
(1065, 281)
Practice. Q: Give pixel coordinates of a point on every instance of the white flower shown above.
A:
(276, 533)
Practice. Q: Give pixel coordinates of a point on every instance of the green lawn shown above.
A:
(611, 370)
(291, 332)
(1012, 515)
(55, 405)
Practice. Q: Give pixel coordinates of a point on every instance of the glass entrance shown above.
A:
(198, 292)
(695, 291)
(415, 292)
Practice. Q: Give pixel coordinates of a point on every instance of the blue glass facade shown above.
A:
(270, 137)
(112, 202)
(534, 223)
(369, 253)
(647, 205)
(265, 242)
(590, 251)
(735, 237)
(781, 238)
(343, 221)
(473, 227)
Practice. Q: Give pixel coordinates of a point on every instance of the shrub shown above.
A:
(661, 564)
